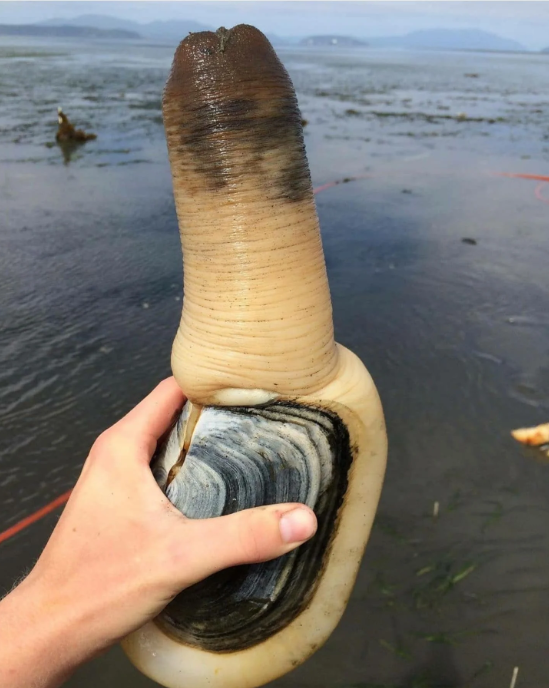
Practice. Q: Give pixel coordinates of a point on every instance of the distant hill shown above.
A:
(64, 31)
(99, 21)
(88, 25)
(545, 50)
(174, 30)
(449, 39)
(274, 39)
(159, 30)
(339, 41)
(171, 30)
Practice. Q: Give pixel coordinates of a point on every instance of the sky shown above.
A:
(523, 21)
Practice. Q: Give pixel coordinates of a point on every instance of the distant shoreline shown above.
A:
(326, 42)
(36, 31)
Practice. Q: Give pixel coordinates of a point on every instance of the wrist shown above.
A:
(41, 643)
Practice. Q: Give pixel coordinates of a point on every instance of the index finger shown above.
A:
(153, 416)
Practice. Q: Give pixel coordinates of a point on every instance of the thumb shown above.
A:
(246, 537)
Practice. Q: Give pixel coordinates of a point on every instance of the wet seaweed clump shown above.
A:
(67, 133)
(68, 138)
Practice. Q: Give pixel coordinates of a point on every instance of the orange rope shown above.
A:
(516, 175)
(329, 185)
(535, 177)
(29, 520)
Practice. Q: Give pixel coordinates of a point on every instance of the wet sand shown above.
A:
(455, 334)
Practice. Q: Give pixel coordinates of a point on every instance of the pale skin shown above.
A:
(120, 552)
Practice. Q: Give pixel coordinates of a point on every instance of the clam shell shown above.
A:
(219, 460)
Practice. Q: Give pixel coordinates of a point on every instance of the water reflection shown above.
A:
(68, 149)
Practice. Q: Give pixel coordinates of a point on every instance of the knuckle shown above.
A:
(110, 444)
(101, 445)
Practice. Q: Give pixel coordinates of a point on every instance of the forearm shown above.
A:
(40, 643)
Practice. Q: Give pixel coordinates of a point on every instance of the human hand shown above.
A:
(121, 551)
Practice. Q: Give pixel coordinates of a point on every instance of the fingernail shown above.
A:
(297, 525)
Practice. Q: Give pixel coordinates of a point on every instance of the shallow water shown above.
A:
(455, 335)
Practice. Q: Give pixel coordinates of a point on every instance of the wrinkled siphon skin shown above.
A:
(277, 411)
(257, 312)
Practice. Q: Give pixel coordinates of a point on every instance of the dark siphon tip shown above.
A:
(229, 105)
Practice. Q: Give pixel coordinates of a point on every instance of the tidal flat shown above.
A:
(438, 271)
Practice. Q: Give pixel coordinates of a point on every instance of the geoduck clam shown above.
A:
(277, 411)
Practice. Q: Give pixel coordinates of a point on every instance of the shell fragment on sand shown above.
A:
(535, 436)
